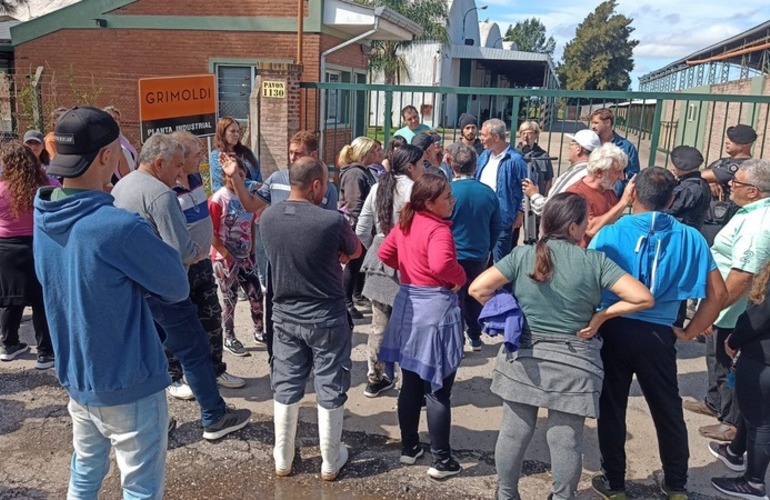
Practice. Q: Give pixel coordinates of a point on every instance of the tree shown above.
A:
(8, 7)
(600, 57)
(529, 36)
(431, 15)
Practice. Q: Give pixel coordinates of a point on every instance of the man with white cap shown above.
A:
(580, 146)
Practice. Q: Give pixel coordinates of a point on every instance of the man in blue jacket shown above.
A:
(92, 260)
(501, 168)
(674, 262)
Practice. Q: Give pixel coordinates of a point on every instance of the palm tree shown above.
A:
(8, 7)
(431, 15)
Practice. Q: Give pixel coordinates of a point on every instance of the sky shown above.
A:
(667, 30)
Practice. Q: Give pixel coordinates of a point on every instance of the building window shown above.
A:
(338, 101)
(234, 85)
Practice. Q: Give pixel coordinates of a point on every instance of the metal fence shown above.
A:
(654, 122)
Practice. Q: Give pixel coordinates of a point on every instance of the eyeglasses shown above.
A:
(738, 184)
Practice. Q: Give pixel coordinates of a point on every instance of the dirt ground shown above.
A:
(35, 439)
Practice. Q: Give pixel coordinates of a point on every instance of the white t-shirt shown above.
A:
(489, 174)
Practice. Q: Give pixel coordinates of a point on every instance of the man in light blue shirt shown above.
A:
(413, 126)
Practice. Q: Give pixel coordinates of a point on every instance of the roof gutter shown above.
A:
(324, 55)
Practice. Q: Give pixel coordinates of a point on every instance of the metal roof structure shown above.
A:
(738, 57)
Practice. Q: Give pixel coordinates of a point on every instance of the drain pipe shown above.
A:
(322, 115)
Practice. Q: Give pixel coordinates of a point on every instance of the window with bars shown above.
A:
(234, 85)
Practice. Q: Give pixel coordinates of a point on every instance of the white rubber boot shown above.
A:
(285, 421)
(333, 452)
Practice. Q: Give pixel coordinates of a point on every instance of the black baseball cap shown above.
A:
(423, 140)
(80, 134)
(686, 157)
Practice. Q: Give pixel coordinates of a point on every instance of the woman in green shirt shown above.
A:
(558, 286)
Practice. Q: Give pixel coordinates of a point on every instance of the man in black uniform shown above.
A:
(692, 195)
(740, 138)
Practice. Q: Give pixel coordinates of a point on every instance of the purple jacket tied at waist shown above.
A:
(502, 314)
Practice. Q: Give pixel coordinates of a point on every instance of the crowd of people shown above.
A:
(624, 263)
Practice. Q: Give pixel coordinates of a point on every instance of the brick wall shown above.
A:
(246, 8)
(124, 56)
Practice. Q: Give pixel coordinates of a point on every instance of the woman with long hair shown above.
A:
(33, 139)
(21, 177)
(395, 142)
(356, 180)
(425, 331)
(750, 338)
(379, 214)
(558, 365)
(227, 139)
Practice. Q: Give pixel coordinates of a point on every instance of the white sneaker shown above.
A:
(180, 390)
(230, 381)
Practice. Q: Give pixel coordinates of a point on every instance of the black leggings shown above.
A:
(353, 279)
(10, 322)
(752, 389)
(413, 388)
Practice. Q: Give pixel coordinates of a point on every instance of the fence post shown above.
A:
(655, 136)
(37, 99)
(388, 117)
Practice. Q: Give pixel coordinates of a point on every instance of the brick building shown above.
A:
(95, 51)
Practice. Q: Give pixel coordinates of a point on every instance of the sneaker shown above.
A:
(601, 485)
(739, 487)
(45, 361)
(442, 469)
(230, 381)
(362, 303)
(666, 490)
(409, 457)
(180, 390)
(721, 453)
(11, 352)
(231, 421)
(260, 337)
(476, 344)
(235, 347)
(699, 406)
(242, 296)
(373, 389)
(355, 313)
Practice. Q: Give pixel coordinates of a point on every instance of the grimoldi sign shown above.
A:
(174, 103)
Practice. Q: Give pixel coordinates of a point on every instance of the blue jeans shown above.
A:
(137, 431)
(504, 244)
(189, 342)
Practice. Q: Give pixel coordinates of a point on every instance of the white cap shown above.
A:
(587, 139)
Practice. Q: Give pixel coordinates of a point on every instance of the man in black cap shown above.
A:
(469, 132)
(92, 260)
(692, 196)
(740, 138)
(738, 144)
(430, 143)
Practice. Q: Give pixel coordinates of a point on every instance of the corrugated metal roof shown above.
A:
(756, 33)
(472, 52)
(5, 30)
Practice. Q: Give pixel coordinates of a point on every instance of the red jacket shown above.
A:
(427, 255)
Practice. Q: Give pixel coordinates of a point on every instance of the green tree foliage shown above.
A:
(529, 36)
(600, 57)
(431, 15)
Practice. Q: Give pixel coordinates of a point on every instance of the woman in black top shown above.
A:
(749, 346)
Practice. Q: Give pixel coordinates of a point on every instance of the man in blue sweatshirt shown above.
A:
(91, 259)
(674, 262)
(476, 224)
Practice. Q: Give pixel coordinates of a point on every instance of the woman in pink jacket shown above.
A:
(424, 334)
